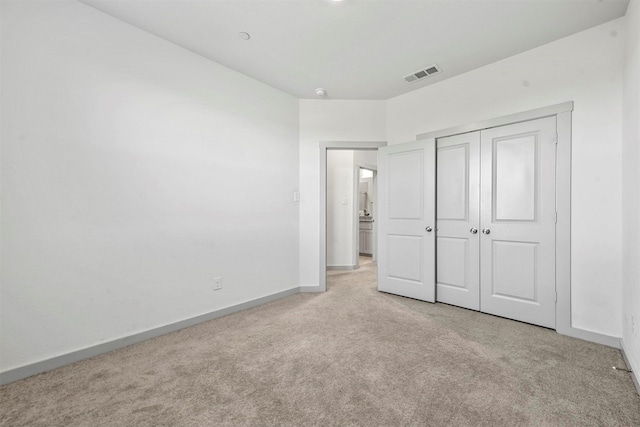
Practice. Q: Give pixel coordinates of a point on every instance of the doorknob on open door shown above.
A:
(429, 229)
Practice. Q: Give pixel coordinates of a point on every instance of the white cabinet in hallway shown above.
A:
(366, 237)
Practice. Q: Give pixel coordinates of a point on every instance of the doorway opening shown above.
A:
(340, 202)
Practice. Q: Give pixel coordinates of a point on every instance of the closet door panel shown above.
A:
(515, 169)
(517, 243)
(453, 258)
(457, 188)
(514, 270)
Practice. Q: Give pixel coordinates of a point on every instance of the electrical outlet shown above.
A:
(217, 283)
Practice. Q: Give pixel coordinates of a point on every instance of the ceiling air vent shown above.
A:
(429, 71)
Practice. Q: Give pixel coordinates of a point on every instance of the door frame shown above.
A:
(562, 112)
(324, 146)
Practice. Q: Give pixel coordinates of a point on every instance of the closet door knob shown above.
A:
(486, 231)
(474, 230)
(429, 229)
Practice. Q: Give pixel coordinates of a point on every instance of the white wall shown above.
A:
(327, 120)
(340, 217)
(585, 68)
(631, 189)
(133, 173)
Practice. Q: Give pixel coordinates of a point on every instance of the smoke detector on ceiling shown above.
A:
(429, 71)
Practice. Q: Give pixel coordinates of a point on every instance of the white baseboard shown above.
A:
(635, 369)
(342, 267)
(31, 369)
(595, 337)
(311, 288)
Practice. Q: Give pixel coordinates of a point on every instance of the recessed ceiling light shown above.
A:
(244, 35)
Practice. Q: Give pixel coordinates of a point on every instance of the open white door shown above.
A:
(406, 226)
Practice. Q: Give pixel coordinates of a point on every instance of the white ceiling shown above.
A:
(359, 49)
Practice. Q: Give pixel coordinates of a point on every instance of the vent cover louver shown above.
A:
(429, 71)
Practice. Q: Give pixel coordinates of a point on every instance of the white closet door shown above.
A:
(406, 226)
(517, 243)
(458, 220)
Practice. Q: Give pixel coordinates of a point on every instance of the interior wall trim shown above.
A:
(523, 116)
(31, 369)
(342, 267)
(311, 288)
(635, 374)
(595, 337)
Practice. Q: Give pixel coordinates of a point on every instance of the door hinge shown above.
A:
(556, 217)
(556, 296)
(555, 139)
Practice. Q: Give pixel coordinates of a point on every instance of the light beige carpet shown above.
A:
(350, 356)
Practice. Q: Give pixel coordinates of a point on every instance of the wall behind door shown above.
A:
(565, 70)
